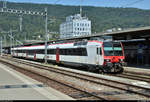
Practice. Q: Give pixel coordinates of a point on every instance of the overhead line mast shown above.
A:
(4, 4)
(81, 8)
(21, 12)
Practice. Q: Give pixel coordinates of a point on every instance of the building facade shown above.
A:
(75, 26)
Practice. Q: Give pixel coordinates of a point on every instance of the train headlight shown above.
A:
(121, 60)
(107, 60)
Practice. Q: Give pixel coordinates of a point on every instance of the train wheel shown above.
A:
(90, 69)
(121, 70)
(100, 71)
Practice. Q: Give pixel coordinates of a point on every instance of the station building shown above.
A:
(137, 52)
(75, 26)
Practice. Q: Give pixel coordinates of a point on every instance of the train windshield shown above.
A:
(112, 49)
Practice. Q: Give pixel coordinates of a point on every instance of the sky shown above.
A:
(142, 4)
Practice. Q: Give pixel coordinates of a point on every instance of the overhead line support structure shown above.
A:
(21, 12)
(46, 35)
(1, 45)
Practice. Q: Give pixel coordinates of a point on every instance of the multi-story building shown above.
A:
(75, 26)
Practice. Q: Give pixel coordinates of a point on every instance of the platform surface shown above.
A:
(138, 70)
(17, 86)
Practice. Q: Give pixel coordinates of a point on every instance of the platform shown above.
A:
(138, 69)
(16, 86)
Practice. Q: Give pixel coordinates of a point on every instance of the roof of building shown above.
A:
(135, 33)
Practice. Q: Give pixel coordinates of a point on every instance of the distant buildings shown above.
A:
(75, 26)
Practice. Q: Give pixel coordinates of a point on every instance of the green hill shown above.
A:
(102, 18)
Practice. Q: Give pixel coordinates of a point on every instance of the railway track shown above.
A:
(116, 84)
(76, 92)
(134, 76)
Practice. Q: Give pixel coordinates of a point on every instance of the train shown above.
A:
(95, 55)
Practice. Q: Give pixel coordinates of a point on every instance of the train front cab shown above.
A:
(113, 57)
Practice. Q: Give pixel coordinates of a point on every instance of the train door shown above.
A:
(92, 58)
(99, 56)
(26, 54)
(17, 53)
(57, 55)
(13, 52)
(34, 54)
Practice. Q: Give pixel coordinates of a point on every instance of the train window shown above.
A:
(84, 52)
(107, 44)
(70, 51)
(81, 52)
(99, 51)
(40, 51)
(54, 51)
(19, 51)
(62, 51)
(74, 51)
(37, 51)
(51, 51)
(31, 52)
(80, 43)
(84, 43)
(116, 44)
(112, 49)
(78, 52)
(75, 44)
(23, 51)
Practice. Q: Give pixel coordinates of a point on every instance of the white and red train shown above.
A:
(102, 56)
